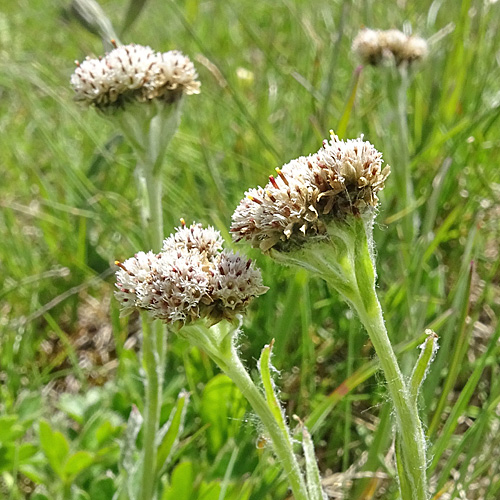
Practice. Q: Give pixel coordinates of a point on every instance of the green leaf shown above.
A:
(223, 407)
(73, 406)
(78, 462)
(209, 491)
(135, 8)
(442, 442)
(14, 455)
(34, 474)
(78, 494)
(429, 348)
(10, 429)
(368, 369)
(102, 489)
(55, 446)
(169, 434)
(107, 431)
(312, 472)
(271, 398)
(29, 407)
(404, 486)
(181, 484)
(39, 496)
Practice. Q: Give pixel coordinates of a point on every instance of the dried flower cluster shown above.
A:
(374, 46)
(134, 73)
(191, 278)
(342, 178)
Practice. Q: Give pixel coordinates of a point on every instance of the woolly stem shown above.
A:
(344, 260)
(218, 342)
(153, 361)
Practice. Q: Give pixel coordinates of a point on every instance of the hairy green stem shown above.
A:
(218, 342)
(282, 443)
(149, 130)
(153, 357)
(408, 422)
(365, 302)
(344, 260)
(155, 213)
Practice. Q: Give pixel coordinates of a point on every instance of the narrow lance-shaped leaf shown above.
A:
(91, 16)
(462, 304)
(313, 477)
(271, 398)
(129, 463)
(463, 400)
(363, 373)
(169, 434)
(135, 7)
(404, 486)
(429, 349)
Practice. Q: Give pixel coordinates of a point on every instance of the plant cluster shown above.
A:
(183, 303)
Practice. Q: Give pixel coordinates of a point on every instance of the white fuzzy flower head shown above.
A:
(133, 73)
(340, 180)
(367, 46)
(416, 49)
(174, 75)
(207, 241)
(191, 279)
(375, 46)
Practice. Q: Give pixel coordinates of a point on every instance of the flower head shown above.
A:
(367, 46)
(195, 237)
(374, 46)
(341, 179)
(133, 73)
(190, 279)
(416, 49)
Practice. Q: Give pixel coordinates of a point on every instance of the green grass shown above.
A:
(69, 209)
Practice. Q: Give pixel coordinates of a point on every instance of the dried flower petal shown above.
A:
(342, 178)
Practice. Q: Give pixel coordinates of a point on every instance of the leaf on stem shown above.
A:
(271, 398)
(128, 463)
(169, 434)
(55, 446)
(429, 349)
(91, 16)
(404, 485)
(313, 477)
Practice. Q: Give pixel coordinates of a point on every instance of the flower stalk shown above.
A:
(153, 357)
(319, 215)
(141, 92)
(345, 262)
(200, 292)
(218, 343)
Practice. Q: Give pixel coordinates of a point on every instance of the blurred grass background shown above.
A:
(276, 76)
